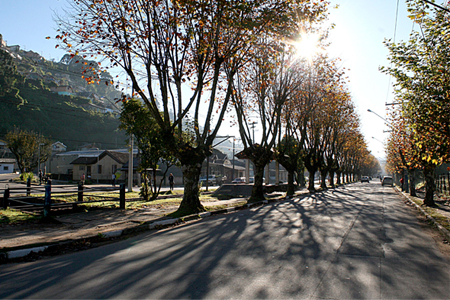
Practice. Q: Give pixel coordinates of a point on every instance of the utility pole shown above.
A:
(253, 127)
(130, 166)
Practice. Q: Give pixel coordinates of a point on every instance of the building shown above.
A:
(59, 147)
(221, 166)
(96, 164)
(99, 167)
(65, 90)
(7, 165)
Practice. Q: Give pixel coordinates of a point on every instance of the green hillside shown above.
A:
(30, 104)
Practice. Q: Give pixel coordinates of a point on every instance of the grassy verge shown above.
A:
(434, 212)
(166, 200)
(12, 216)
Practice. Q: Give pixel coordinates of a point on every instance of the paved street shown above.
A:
(358, 241)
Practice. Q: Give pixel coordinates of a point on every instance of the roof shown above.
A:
(7, 160)
(91, 158)
(83, 160)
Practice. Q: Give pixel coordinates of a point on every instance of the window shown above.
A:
(81, 168)
(99, 169)
(5, 168)
(114, 168)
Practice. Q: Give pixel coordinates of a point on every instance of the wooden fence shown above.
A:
(22, 197)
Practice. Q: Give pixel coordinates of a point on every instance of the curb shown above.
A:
(441, 228)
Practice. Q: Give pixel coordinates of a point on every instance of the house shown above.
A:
(7, 165)
(65, 90)
(13, 48)
(32, 55)
(34, 76)
(2, 42)
(218, 164)
(4, 150)
(59, 147)
(99, 166)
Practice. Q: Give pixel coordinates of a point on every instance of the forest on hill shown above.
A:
(88, 115)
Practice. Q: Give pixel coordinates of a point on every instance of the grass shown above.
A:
(13, 216)
(434, 212)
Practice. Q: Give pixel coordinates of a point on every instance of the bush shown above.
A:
(25, 176)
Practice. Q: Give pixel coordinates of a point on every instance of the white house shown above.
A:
(7, 165)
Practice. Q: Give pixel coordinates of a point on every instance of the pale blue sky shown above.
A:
(361, 27)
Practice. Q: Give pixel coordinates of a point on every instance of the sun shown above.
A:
(307, 46)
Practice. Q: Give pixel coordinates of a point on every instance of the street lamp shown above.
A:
(377, 140)
(385, 121)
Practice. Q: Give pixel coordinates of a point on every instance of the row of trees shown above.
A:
(236, 58)
(420, 138)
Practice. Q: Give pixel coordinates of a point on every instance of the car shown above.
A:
(212, 180)
(238, 180)
(387, 180)
(365, 179)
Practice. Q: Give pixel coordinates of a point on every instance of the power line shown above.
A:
(395, 36)
(436, 5)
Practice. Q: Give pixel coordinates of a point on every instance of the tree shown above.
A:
(400, 150)
(136, 120)
(271, 81)
(164, 46)
(422, 72)
(10, 79)
(29, 148)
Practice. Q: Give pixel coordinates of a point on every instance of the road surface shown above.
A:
(358, 241)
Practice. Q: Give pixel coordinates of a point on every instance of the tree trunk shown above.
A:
(332, 178)
(412, 183)
(290, 187)
(323, 179)
(191, 201)
(301, 178)
(257, 190)
(312, 172)
(260, 156)
(430, 186)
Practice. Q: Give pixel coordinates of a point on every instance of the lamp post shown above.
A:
(385, 121)
(377, 140)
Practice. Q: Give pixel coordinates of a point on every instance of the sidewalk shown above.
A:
(441, 212)
(77, 226)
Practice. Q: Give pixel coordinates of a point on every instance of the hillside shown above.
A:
(53, 99)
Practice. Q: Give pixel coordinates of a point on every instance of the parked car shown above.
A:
(238, 180)
(365, 179)
(387, 180)
(212, 180)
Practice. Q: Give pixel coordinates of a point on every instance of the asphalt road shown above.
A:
(359, 241)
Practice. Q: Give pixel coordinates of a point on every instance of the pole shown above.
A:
(232, 174)
(98, 168)
(207, 173)
(130, 166)
(48, 199)
(122, 200)
(6, 198)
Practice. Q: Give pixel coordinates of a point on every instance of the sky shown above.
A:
(361, 26)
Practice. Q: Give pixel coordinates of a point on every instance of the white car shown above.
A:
(212, 180)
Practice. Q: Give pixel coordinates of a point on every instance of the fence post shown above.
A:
(122, 196)
(448, 182)
(28, 186)
(6, 198)
(48, 199)
(80, 192)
